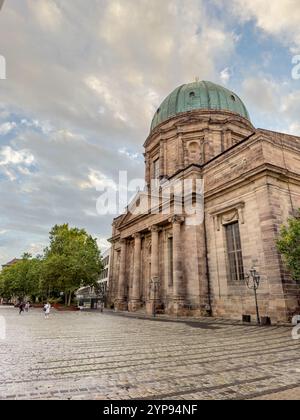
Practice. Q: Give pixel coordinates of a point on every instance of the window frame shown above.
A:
(156, 168)
(234, 252)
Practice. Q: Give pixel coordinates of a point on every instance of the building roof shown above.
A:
(12, 262)
(199, 95)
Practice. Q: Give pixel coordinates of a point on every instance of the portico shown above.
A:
(131, 295)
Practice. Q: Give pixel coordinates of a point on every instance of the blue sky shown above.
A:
(85, 78)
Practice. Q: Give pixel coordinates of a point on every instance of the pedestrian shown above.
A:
(21, 308)
(101, 307)
(47, 309)
(27, 307)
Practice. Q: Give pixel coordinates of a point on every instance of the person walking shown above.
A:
(47, 309)
(27, 307)
(21, 308)
(101, 307)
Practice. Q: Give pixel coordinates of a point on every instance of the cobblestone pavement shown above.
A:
(94, 356)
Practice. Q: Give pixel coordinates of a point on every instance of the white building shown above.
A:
(89, 297)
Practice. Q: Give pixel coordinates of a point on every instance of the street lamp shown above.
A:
(253, 282)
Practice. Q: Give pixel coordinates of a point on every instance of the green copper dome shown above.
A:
(199, 95)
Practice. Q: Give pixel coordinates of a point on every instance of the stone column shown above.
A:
(120, 303)
(178, 286)
(154, 281)
(135, 303)
(154, 252)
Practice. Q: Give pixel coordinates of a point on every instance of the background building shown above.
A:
(12, 262)
(90, 297)
(251, 177)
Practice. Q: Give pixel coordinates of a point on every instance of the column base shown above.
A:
(154, 307)
(121, 305)
(134, 305)
(179, 308)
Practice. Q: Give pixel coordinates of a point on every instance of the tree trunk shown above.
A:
(66, 298)
(70, 298)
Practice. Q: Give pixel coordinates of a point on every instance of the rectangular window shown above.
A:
(156, 169)
(234, 250)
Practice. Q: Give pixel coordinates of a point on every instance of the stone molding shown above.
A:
(177, 220)
(229, 214)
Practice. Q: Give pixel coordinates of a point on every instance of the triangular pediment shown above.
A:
(137, 207)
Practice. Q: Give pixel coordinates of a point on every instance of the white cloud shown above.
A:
(225, 75)
(276, 17)
(130, 155)
(98, 181)
(36, 248)
(6, 128)
(8, 156)
(103, 244)
(47, 13)
(261, 92)
(294, 129)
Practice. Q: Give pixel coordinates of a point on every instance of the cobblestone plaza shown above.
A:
(93, 356)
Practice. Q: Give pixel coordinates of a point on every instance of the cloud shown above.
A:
(275, 17)
(47, 13)
(225, 75)
(261, 92)
(6, 128)
(83, 82)
(8, 156)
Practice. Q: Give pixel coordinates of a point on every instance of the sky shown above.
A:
(84, 79)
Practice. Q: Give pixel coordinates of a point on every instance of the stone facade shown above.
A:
(163, 262)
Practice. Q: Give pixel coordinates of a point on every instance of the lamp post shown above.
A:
(253, 282)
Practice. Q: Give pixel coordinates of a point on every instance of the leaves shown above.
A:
(72, 260)
(289, 246)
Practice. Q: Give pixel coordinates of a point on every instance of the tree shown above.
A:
(289, 245)
(72, 260)
(21, 279)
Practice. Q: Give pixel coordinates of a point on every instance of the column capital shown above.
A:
(154, 228)
(177, 220)
(137, 235)
(123, 241)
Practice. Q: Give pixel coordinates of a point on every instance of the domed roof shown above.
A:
(199, 95)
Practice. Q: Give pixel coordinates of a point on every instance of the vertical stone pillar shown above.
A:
(148, 169)
(135, 303)
(154, 252)
(228, 139)
(178, 286)
(165, 158)
(162, 159)
(152, 304)
(180, 151)
(120, 303)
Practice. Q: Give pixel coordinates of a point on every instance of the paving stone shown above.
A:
(93, 356)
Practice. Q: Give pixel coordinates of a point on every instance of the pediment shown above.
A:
(137, 207)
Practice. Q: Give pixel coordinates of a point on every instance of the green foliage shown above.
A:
(72, 260)
(21, 279)
(289, 246)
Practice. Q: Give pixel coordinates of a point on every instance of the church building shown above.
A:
(165, 262)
